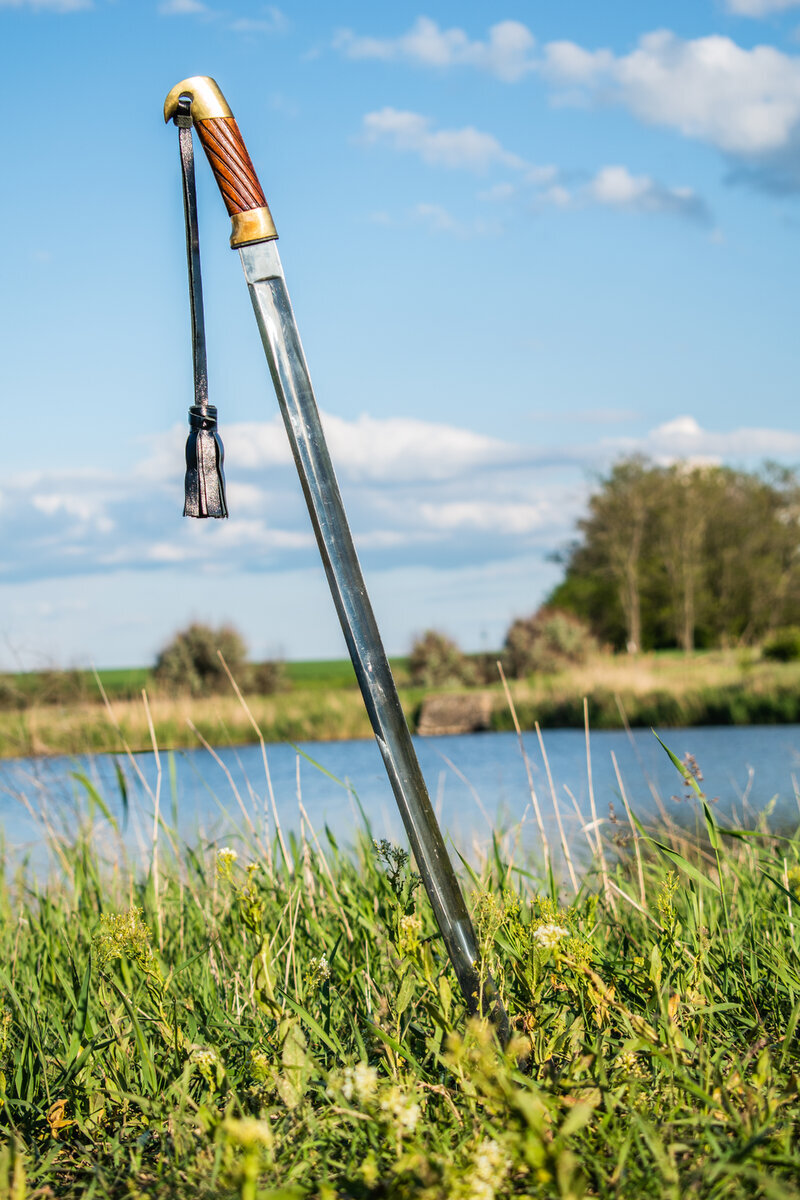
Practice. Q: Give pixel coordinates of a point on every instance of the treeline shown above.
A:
(687, 556)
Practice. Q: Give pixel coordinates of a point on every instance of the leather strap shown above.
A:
(183, 120)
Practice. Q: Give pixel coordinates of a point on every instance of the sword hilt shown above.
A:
(226, 152)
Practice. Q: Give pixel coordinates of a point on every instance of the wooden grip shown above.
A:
(227, 153)
(231, 164)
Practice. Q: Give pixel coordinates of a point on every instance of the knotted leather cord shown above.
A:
(183, 120)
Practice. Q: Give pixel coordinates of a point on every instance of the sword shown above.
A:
(254, 235)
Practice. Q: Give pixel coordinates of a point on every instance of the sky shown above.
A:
(520, 242)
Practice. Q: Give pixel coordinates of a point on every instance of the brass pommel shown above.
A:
(207, 99)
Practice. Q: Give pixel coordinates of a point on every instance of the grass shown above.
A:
(665, 689)
(283, 1023)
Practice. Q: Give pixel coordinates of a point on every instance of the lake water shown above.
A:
(476, 782)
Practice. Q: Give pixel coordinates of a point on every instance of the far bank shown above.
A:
(322, 703)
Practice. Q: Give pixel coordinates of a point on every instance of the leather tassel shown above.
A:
(205, 480)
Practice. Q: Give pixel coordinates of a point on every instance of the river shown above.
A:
(477, 782)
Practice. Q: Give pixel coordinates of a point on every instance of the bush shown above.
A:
(435, 660)
(784, 645)
(266, 678)
(190, 663)
(546, 641)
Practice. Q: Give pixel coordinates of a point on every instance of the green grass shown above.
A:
(271, 1026)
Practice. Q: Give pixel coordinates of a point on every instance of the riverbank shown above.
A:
(285, 1025)
(665, 689)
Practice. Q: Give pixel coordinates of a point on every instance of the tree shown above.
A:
(686, 554)
(190, 662)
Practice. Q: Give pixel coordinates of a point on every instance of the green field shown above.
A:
(281, 1021)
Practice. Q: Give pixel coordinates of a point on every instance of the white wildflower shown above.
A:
(319, 969)
(366, 1081)
(489, 1160)
(226, 856)
(348, 1084)
(403, 1109)
(550, 935)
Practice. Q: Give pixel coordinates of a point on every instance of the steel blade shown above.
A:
(287, 364)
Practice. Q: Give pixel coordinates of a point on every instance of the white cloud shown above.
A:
(506, 53)
(467, 148)
(182, 8)
(616, 187)
(472, 149)
(745, 102)
(273, 21)
(417, 492)
(60, 6)
(684, 437)
(759, 8)
(489, 516)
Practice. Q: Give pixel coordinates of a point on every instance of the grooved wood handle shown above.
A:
(232, 166)
(226, 152)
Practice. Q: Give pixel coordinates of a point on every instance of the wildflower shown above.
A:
(489, 1159)
(319, 971)
(226, 857)
(490, 1166)
(402, 1109)
(123, 935)
(366, 1081)
(248, 1132)
(549, 936)
(408, 931)
(629, 1062)
(259, 1065)
(209, 1066)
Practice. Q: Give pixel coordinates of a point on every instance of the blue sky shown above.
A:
(520, 242)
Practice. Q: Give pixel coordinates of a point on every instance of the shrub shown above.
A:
(784, 645)
(435, 660)
(190, 663)
(546, 641)
(266, 678)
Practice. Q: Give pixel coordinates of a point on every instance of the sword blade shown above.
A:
(287, 364)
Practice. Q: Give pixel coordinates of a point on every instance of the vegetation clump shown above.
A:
(546, 642)
(783, 645)
(190, 661)
(435, 661)
(256, 1023)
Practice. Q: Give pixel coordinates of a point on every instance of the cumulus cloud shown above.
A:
(461, 148)
(474, 150)
(684, 437)
(506, 53)
(745, 102)
(616, 187)
(418, 493)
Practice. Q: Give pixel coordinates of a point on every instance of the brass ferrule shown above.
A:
(207, 99)
(255, 225)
